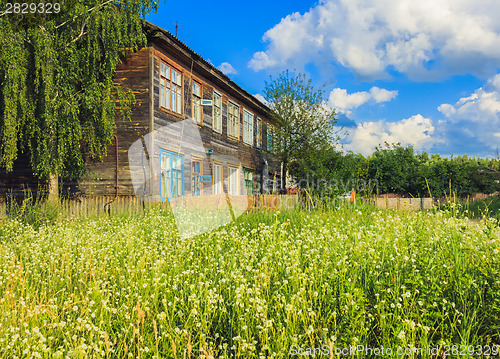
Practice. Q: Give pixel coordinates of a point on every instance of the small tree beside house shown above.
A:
(305, 124)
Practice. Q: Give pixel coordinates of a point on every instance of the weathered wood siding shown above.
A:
(131, 73)
(223, 145)
(20, 181)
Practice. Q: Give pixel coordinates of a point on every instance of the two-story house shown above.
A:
(172, 84)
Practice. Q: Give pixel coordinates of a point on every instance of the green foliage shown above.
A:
(57, 96)
(397, 169)
(394, 168)
(305, 124)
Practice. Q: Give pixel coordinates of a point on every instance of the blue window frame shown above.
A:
(172, 174)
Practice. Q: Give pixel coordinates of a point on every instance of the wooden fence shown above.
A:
(404, 203)
(101, 205)
(122, 205)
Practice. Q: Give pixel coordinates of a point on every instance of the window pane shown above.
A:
(179, 102)
(165, 71)
(233, 120)
(217, 100)
(247, 127)
(163, 103)
(167, 95)
(217, 179)
(259, 135)
(248, 174)
(174, 99)
(217, 113)
(176, 161)
(233, 181)
(176, 77)
(197, 103)
(196, 89)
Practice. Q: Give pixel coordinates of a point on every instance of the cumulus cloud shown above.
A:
(423, 39)
(477, 115)
(416, 131)
(343, 102)
(227, 68)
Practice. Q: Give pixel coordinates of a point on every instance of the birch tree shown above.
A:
(57, 96)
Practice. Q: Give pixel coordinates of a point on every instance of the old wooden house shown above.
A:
(172, 83)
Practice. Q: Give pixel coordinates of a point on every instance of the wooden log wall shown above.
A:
(131, 73)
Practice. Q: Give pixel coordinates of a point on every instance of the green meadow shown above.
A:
(269, 285)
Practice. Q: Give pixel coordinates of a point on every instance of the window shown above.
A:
(195, 176)
(233, 120)
(217, 178)
(170, 88)
(233, 181)
(247, 127)
(269, 138)
(172, 174)
(259, 133)
(217, 112)
(248, 174)
(197, 103)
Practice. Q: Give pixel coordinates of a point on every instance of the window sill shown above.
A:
(170, 112)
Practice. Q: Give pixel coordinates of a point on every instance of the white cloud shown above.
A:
(227, 68)
(477, 115)
(343, 102)
(424, 39)
(415, 131)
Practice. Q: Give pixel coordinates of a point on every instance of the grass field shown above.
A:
(269, 285)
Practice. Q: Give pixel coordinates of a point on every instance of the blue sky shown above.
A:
(423, 73)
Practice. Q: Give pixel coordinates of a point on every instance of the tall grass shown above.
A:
(257, 288)
(489, 207)
(31, 209)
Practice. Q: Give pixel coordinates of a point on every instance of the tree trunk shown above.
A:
(284, 167)
(53, 187)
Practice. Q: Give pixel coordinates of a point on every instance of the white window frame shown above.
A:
(233, 179)
(217, 112)
(170, 88)
(217, 172)
(248, 127)
(196, 103)
(259, 133)
(233, 120)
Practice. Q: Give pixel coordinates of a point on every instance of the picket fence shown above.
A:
(123, 205)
